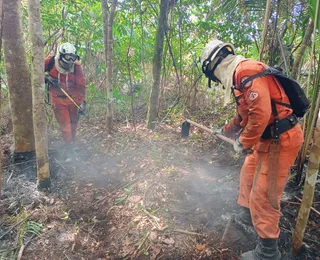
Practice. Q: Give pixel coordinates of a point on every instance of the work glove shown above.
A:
(49, 79)
(83, 109)
(218, 131)
(237, 146)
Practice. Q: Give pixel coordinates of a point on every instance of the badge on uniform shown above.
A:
(253, 95)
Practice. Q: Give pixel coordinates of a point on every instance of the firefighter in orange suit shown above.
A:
(68, 73)
(266, 171)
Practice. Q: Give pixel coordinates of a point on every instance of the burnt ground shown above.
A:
(135, 195)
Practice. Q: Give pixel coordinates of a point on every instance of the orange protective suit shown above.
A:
(64, 110)
(256, 110)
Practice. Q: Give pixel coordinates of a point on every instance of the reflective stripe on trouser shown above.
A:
(67, 116)
(264, 217)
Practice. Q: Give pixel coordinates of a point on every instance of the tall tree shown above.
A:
(108, 18)
(308, 190)
(1, 16)
(39, 114)
(157, 64)
(20, 93)
(265, 28)
(305, 43)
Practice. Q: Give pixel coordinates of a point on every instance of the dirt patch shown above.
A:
(134, 195)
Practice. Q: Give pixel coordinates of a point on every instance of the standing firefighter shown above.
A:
(268, 127)
(67, 89)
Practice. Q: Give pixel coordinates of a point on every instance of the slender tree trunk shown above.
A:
(308, 190)
(110, 67)
(265, 28)
(1, 30)
(39, 114)
(20, 93)
(130, 73)
(1, 16)
(105, 18)
(157, 64)
(306, 40)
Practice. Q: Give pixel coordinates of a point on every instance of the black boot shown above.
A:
(244, 217)
(266, 249)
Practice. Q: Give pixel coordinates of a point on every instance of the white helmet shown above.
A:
(211, 51)
(67, 54)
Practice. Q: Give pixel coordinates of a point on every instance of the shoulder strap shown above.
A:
(260, 74)
(50, 64)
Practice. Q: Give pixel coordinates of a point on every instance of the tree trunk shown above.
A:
(308, 190)
(108, 18)
(39, 114)
(105, 18)
(306, 40)
(157, 64)
(1, 30)
(1, 16)
(20, 93)
(265, 28)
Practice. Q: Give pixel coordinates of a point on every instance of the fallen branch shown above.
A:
(225, 232)
(17, 224)
(150, 215)
(22, 248)
(290, 202)
(312, 208)
(187, 232)
(142, 243)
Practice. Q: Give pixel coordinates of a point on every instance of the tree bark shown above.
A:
(20, 93)
(110, 67)
(105, 18)
(265, 28)
(1, 27)
(39, 115)
(305, 43)
(308, 191)
(157, 64)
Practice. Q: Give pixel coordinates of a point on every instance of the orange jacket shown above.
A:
(241, 118)
(258, 94)
(76, 82)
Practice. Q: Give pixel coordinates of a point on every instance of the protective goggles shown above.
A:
(70, 57)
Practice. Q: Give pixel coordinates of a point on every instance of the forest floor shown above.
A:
(135, 195)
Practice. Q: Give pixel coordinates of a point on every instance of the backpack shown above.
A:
(51, 63)
(298, 100)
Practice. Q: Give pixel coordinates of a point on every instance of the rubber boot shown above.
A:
(244, 217)
(266, 249)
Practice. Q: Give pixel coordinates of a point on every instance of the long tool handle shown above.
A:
(70, 98)
(223, 138)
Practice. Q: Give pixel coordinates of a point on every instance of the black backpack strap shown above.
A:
(50, 64)
(260, 74)
(282, 104)
(235, 97)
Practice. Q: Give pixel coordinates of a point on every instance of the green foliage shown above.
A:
(312, 8)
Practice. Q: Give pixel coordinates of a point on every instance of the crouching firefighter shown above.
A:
(67, 90)
(268, 106)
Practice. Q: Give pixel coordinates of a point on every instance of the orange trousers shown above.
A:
(67, 116)
(253, 189)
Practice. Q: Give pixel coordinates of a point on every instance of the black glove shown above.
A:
(53, 82)
(83, 109)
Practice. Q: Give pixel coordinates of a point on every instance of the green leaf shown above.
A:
(312, 8)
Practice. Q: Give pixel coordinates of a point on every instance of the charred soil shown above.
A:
(135, 195)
